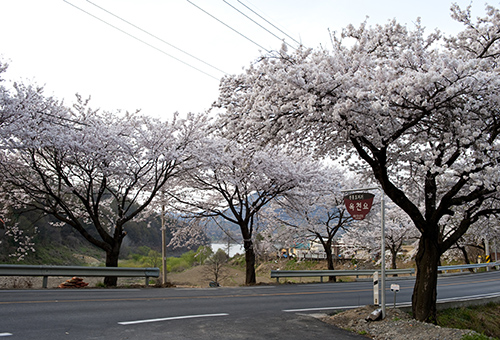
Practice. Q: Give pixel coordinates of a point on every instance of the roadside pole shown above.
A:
(495, 248)
(487, 251)
(382, 250)
(163, 247)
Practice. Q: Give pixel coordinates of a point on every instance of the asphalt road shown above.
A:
(260, 312)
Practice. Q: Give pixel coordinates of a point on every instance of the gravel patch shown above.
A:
(397, 325)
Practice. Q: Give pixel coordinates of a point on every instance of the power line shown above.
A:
(257, 14)
(255, 22)
(154, 36)
(234, 30)
(138, 39)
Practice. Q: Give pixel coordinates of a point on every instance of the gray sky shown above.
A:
(55, 44)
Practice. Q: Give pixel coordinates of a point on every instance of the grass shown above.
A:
(482, 319)
(146, 257)
(55, 255)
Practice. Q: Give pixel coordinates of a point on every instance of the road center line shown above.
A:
(171, 318)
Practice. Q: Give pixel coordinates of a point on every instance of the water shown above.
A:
(233, 249)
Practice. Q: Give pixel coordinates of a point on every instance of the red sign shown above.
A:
(359, 205)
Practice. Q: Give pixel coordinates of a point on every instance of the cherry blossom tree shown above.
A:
(235, 181)
(188, 233)
(94, 171)
(418, 112)
(398, 230)
(317, 212)
(366, 235)
(21, 239)
(473, 242)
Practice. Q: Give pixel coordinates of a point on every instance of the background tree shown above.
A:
(366, 235)
(235, 181)
(92, 171)
(188, 233)
(418, 113)
(473, 243)
(317, 212)
(215, 266)
(397, 233)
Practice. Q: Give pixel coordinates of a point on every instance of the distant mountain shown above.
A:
(56, 245)
(216, 234)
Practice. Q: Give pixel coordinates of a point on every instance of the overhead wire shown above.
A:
(156, 37)
(255, 22)
(257, 14)
(234, 30)
(142, 41)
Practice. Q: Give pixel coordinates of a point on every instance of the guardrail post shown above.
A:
(45, 281)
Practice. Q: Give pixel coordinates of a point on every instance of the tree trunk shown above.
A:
(425, 290)
(466, 256)
(250, 278)
(394, 260)
(112, 261)
(329, 260)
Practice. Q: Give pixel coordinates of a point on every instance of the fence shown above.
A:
(473, 266)
(369, 272)
(322, 273)
(46, 271)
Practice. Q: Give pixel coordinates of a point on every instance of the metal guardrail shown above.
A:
(46, 271)
(369, 272)
(474, 266)
(322, 273)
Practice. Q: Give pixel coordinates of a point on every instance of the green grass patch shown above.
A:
(482, 319)
(54, 255)
(293, 264)
(146, 257)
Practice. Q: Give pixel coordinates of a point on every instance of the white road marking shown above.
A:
(319, 308)
(402, 304)
(6, 334)
(471, 297)
(171, 318)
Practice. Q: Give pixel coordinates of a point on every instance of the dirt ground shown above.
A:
(197, 277)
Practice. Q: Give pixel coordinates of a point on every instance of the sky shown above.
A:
(166, 56)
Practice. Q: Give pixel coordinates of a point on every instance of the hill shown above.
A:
(65, 246)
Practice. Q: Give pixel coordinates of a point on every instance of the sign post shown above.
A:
(395, 289)
(358, 204)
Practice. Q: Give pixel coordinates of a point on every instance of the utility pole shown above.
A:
(163, 246)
